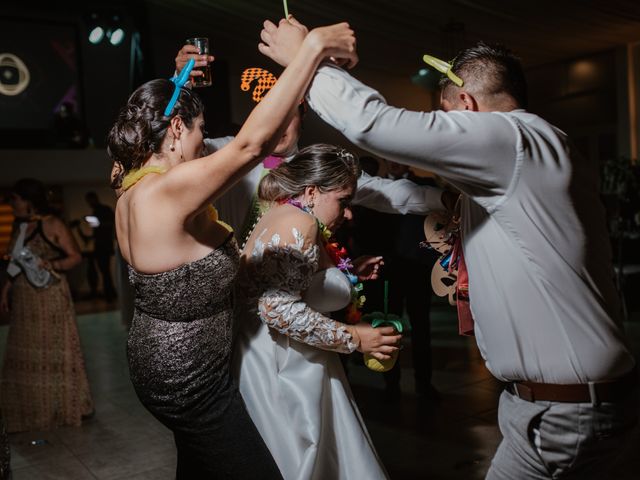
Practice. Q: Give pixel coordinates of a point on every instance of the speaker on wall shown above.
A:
(40, 91)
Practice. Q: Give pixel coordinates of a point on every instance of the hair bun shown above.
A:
(141, 127)
(131, 112)
(129, 138)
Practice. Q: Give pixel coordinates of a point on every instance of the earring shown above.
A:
(309, 207)
(172, 148)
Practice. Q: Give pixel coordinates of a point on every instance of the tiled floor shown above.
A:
(455, 440)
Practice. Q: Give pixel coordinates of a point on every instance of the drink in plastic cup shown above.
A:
(383, 365)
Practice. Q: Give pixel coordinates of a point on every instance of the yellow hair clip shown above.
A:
(444, 68)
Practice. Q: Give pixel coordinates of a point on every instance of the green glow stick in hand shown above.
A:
(286, 9)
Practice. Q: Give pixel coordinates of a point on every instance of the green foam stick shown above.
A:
(444, 68)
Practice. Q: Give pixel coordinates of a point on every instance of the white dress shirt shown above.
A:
(534, 237)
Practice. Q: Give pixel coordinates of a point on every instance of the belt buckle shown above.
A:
(523, 392)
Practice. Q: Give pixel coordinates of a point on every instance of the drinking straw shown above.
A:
(386, 298)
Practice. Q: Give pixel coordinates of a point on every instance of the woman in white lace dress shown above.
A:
(290, 375)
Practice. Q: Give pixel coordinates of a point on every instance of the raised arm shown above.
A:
(476, 152)
(262, 130)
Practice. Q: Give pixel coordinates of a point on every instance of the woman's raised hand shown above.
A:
(188, 52)
(378, 342)
(338, 42)
(282, 42)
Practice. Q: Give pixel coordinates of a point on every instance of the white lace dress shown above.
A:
(290, 377)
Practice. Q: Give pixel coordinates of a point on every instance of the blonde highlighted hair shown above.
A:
(326, 167)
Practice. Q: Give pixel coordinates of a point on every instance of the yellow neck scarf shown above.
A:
(134, 176)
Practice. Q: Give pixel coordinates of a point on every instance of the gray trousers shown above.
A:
(550, 440)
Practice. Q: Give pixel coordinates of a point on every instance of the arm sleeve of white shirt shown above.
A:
(476, 152)
(397, 196)
(212, 145)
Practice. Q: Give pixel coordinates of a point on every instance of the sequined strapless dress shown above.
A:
(179, 350)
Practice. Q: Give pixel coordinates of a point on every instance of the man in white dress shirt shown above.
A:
(536, 248)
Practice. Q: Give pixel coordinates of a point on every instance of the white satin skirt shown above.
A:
(300, 401)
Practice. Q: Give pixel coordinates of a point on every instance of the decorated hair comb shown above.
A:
(179, 82)
(345, 154)
(444, 68)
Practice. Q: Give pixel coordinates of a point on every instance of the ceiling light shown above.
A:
(116, 36)
(96, 35)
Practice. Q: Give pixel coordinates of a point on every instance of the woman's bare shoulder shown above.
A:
(53, 223)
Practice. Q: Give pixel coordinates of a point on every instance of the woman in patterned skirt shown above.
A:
(44, 382)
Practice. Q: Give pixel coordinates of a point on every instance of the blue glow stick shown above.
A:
(179, 81)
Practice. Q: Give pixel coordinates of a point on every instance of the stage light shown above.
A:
(96, 35)
(116, 37)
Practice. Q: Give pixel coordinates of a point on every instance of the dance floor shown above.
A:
(416, 440)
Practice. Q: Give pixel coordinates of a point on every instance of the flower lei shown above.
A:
(339, 257)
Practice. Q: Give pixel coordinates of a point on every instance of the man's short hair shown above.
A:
(492, 69)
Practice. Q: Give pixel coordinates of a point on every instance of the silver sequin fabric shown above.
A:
(179, 350)
(179, 345)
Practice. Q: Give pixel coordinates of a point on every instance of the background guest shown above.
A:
(44, 383)
(99, 258)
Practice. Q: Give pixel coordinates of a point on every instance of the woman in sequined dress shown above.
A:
(183, 264)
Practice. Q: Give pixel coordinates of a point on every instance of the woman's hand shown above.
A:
(367, 267)
(281, 43)
(378, 342)
(188, 52)
(337, 42)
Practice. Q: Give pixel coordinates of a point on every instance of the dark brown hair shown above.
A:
(34, 192)
(324, 166)
(141, 125)
(493, 69)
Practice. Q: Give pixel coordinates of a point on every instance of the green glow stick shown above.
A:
(286, 9)
(443, 67)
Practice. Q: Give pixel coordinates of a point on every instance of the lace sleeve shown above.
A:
(285, 270)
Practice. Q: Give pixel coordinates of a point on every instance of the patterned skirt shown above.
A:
(44, 381)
